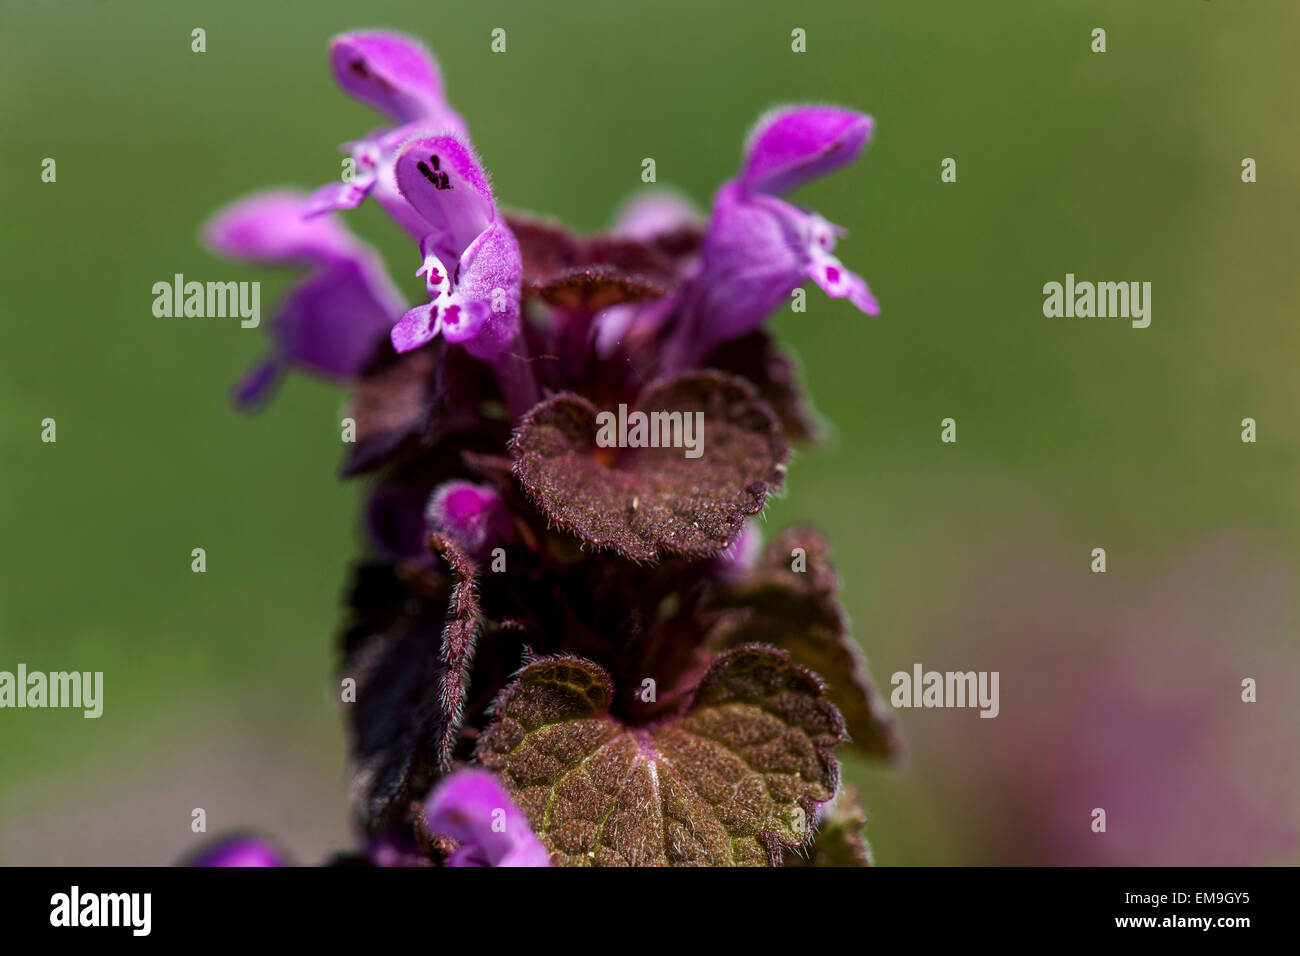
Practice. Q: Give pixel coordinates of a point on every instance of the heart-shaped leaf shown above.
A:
(731, 781)
(648, 502)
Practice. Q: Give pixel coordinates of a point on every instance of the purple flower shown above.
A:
(623, 563)
(332, 321)
(239, 851)
(758, 247)
(472, 265)
(392, 73)
(473, 514)
(471, 808)
(399, 77)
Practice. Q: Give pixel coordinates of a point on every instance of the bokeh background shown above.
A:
(1118, 690)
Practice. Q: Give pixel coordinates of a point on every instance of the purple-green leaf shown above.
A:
(731, 781)
(646, 503)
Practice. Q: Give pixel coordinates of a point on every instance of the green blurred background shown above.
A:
(1073, 434)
